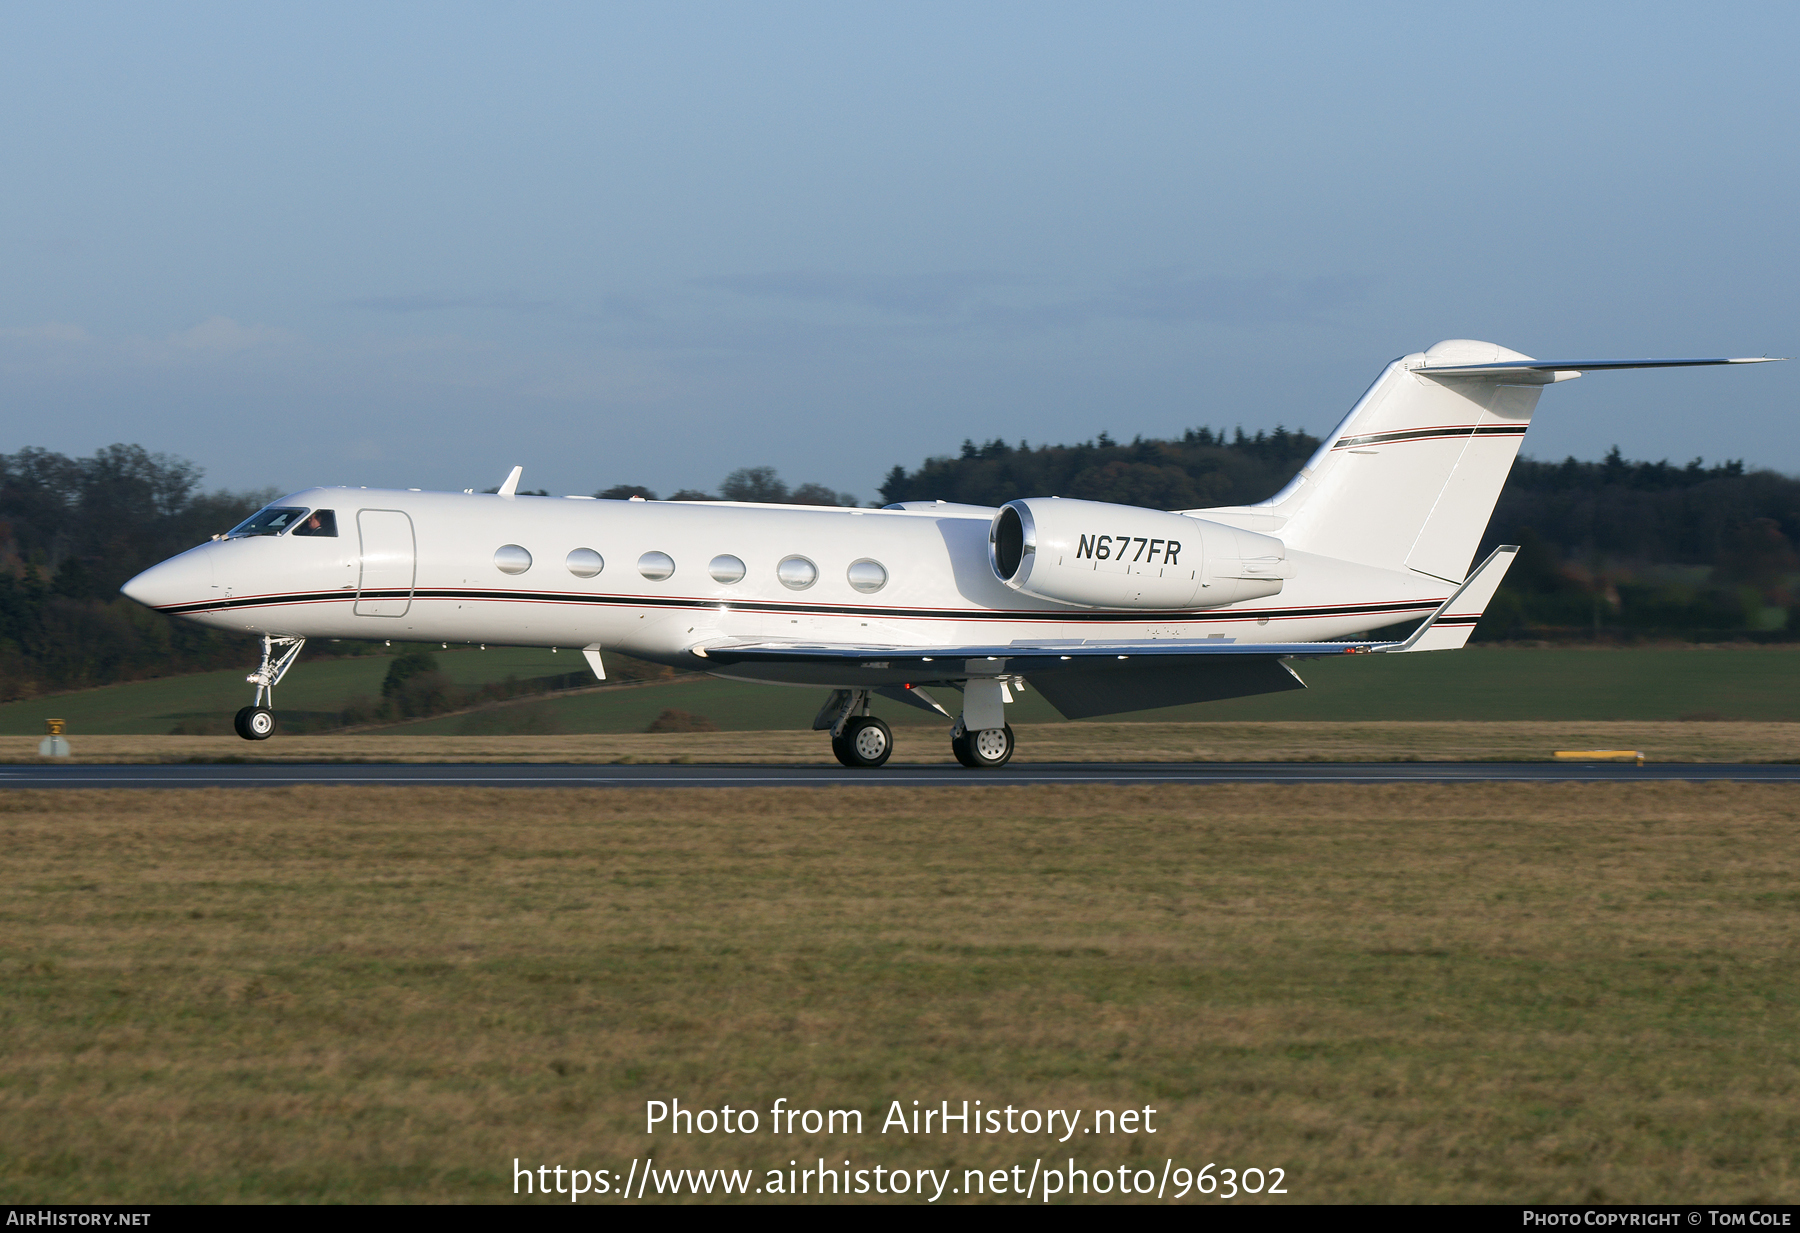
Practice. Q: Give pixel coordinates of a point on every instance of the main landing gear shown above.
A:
(256, 722)
(982, 750)
(981, 739)
(858, 739)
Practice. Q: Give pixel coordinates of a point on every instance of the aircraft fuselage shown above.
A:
(428, 567)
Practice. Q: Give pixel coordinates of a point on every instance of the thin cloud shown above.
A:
(54, 345)
(984, 300)
(223, 336)
(402, 304)
(54, 332)
(426, 302)
(1264, 300)
(611, 307)
(931, 295)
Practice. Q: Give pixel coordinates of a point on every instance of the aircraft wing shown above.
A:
(1079, 679)
(1098, 677)
(946, 662)
(971, 660)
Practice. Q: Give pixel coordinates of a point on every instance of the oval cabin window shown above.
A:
(656, 565)
(797, 573)
(511, 559)
(868, 576)
(725, 568)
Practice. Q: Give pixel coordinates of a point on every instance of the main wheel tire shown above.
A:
(255, 723)
(865, 743)
(983, 750)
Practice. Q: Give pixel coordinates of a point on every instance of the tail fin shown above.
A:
(1410, 477)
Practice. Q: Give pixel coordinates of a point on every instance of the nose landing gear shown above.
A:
(256, 722)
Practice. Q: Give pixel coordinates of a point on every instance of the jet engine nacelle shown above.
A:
(1098, 555)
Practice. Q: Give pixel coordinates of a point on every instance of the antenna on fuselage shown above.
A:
(511, 486)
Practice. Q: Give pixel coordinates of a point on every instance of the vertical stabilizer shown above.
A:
(1410, 477)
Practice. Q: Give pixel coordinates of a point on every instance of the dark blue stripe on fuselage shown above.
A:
(1399, 609)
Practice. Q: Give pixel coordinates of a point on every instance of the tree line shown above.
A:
(1635, 550)
(758, 484)
(1199, 468)
(1612, 549)
(72, 530)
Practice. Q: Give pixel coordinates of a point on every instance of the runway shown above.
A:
(948, 775)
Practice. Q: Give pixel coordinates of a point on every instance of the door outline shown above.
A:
(371, 532)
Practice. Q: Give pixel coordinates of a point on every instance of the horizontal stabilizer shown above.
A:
(1556, 366)
(1409, 478)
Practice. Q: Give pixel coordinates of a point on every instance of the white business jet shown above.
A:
(1101, 608)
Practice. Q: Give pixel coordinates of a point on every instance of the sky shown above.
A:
(412, 245)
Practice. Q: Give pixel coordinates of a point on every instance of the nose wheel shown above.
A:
(255, 723)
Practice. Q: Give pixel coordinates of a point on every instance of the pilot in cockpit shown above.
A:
(320, 522)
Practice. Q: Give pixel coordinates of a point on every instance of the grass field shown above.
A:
(1387, 741)
(1472, 993)
(1517, 684)
(316, 685)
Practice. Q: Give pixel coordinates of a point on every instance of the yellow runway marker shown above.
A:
(1601, 755)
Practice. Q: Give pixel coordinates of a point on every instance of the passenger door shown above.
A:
(388, 562)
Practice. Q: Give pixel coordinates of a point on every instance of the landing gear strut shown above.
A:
(858, 739)
(982, 739)
(256, 722)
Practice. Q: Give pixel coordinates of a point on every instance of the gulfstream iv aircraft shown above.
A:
(1100, 608)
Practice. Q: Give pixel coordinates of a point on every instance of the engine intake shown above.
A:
(1096, 555)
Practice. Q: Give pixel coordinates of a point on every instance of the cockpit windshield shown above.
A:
(271, 521)
(321, 522)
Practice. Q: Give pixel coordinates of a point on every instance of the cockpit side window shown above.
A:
(271, 521)
(319, 522)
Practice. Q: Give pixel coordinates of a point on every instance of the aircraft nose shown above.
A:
(185, 579)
